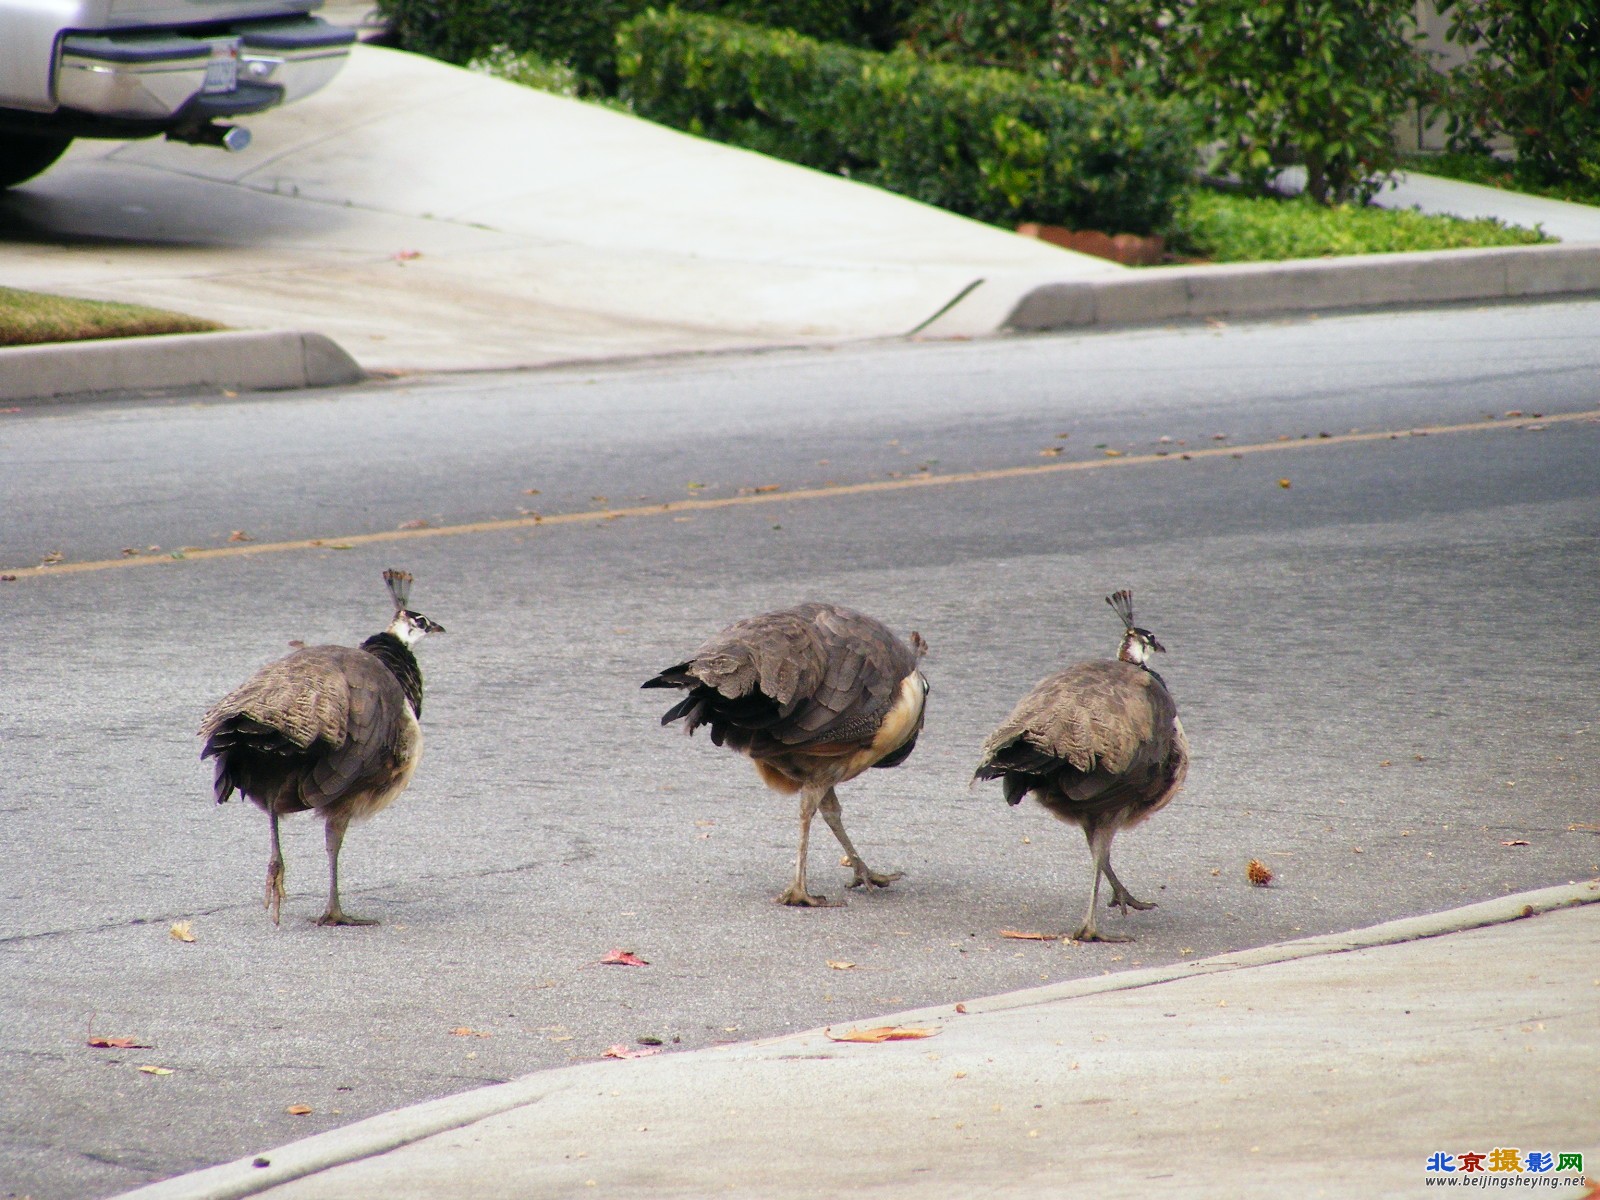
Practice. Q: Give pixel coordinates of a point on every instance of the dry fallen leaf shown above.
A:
(1257, 872)
(1029, 937)
(1283, 483)
(1517, 842)
(181, 931)
(418, 523)
(298, 1110)
(841, 965)
(468, 1031)
(1113, 453)
(622, 958)
(1050, 452)
(152, 1070)
(621, 1051)
(117, 1043)
(880, 1033)
(239, 535)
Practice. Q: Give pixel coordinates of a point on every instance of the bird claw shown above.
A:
(1124, 901)
(865, 877)
(1086, 934)
(337, 916)
(798, 897)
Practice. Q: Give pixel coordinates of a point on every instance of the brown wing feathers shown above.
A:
(815, 673)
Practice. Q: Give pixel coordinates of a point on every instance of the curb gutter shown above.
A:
(245, 360)
(1304, 285)
(392, 1130)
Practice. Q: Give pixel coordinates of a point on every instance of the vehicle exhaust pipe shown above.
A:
(232, 138)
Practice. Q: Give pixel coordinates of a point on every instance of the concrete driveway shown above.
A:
(429, 218)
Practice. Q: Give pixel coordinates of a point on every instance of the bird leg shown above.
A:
(1100, 848)
(335, 914)
(273, 900)
(834, 816)
(796, 893)
(1121, 897)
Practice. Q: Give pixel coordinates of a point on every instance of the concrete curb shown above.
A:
(1305, 285)
(248, 361)
(390, 1131)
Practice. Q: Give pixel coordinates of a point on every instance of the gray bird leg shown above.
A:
(1100, 848)
(273, 901)
(834, 816)
(335, 914)
(796, 893)
(1121, 897)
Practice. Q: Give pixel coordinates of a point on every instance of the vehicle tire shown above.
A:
(24, 155)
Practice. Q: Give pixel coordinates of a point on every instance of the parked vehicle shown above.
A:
(139, 68)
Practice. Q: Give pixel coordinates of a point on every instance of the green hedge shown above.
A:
(989, 144)
(581, 34)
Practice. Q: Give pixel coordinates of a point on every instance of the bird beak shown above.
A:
(432, 626)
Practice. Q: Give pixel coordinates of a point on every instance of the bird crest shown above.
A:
(1122, 604)
(399, 587)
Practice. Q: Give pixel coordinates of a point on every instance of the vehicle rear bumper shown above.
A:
(168, 75)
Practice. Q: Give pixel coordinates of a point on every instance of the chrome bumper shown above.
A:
(157, 76)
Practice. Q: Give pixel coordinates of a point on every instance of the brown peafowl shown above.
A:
(814, 694)
(1101, 747)
(332, 729)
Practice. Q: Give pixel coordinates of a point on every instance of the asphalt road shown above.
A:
(1386, 670)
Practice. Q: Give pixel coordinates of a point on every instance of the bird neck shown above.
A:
(402, 664)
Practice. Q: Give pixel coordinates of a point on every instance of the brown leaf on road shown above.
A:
(118, 1043)
(1257, 872)
(149, 1069)
(298, 1110)
(239, 535)
(841, 965)
(417, 523)
(622, 1051)
(468, 1031)
(1050, 452)
(621, 958)
(1019, 935)
(880, 1033)
(181, 931)
(1517, 842)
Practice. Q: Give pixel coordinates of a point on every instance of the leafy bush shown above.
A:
(1231, 228)
(1282, 82)
(1533, 76)
(990, 144)
(581, 34)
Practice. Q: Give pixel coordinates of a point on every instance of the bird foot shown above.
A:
(337, 916)
(1088, 933)
(865, 877)
(1125, 901)
(798, 897)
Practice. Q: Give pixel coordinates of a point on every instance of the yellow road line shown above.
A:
(675, 507)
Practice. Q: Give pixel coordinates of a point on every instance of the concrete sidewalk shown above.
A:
(429, 218)
(1332, 1066)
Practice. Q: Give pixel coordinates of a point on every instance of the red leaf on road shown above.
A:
(118, 1043)
(621, 1051)
(622, 958)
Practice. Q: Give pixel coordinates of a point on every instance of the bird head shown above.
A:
(410, 627)
(1138, 643)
